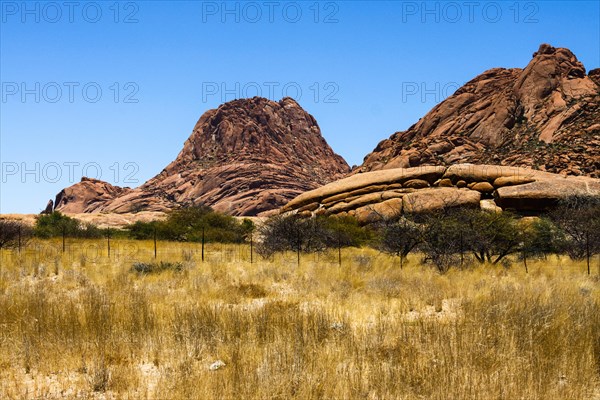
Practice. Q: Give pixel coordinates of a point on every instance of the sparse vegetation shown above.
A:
(13, 234)
(578, 217)
(156, 267)
(308, 235)
(400, 237)
(198, 322)
(227, 328)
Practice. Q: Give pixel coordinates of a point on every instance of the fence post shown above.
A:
(462, 257)
(108, 241)
(298, 245)
(587, 250)
(251, 249)
(154, 242)
(202, 244)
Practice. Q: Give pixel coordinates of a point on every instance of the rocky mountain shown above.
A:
(245, 157)
(545, 116)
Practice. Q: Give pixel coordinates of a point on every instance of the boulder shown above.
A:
(377, 197)
(486, 173)
(358, 192)
(512, 180)
(432, 199)
(489, 205)
(483, 187)
(416, 184)
(544, 194)
(376, 212)
(309, 207)
(517, 189)
(49, 207)
(445, 183)
(88, 195)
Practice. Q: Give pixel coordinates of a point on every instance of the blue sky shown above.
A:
(113, 90)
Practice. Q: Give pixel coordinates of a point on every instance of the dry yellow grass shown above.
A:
(80, 325)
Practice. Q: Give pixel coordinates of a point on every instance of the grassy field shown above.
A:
(81, 325)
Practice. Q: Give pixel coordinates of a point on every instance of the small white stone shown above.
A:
(216, 365)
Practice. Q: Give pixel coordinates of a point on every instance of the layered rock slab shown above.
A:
(389, 193)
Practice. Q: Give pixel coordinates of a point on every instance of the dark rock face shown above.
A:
(246, 157)
(546, 116)
(49, 207)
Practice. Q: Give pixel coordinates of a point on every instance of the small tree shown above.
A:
(539, 238)
(293, 233)
(194, 224)
(57, 224)
(13, 234)
(144, 230)
(488, 235)
(578, 216)
(400, 237)
(442, 240)
(249, 227)
(279, 233)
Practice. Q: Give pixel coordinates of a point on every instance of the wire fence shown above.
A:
(116, 251)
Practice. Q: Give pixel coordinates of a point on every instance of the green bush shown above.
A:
(191, 224)
(156, 267)
(540, 238)
(345, 231)
(57, 224)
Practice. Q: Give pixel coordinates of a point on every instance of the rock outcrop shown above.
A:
(376, 195)
(49, 207)
(244, 158)
(89, 195)
(545, 116)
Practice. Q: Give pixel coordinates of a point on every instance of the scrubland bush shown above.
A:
(13, 234)
(157, 267)
(194, 224)
(292, 233)
(448, 237)
(578, 217)
(57, 224)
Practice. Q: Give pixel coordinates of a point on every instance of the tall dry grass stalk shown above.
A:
(81, 325)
